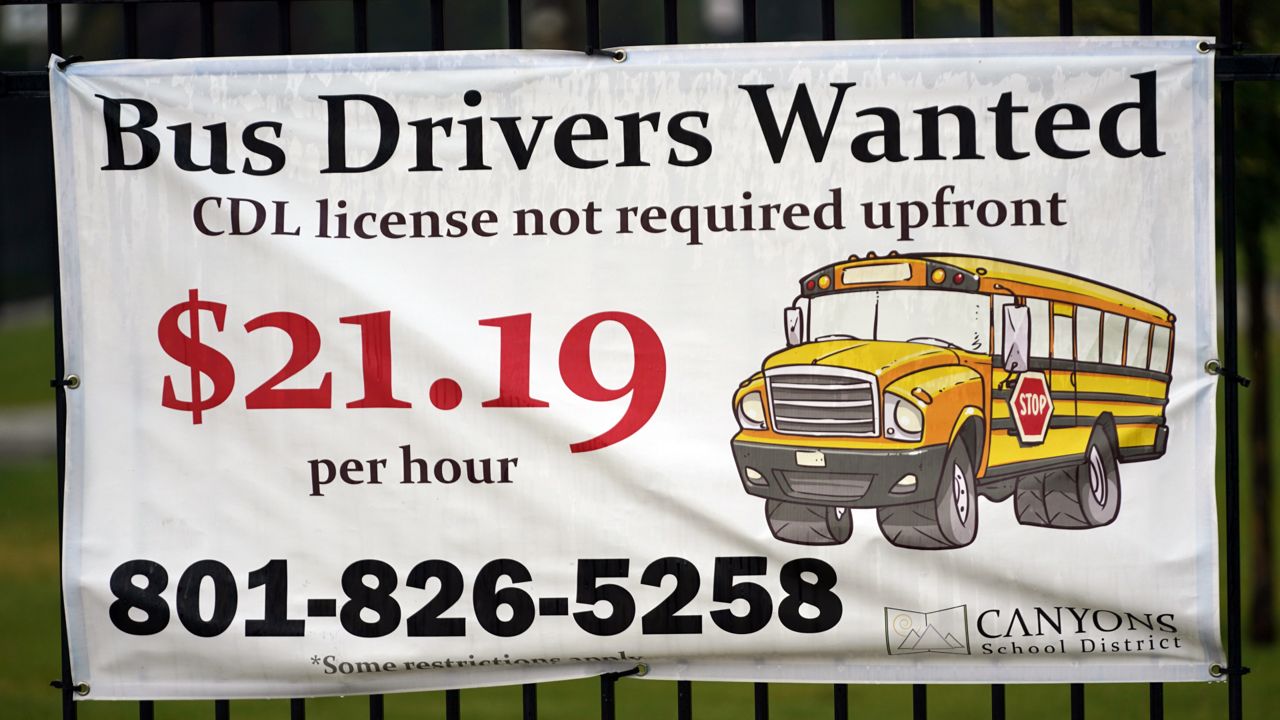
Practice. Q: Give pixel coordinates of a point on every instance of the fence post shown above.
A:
(1231, 403)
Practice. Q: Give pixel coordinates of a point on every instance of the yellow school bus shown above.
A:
(915, 384)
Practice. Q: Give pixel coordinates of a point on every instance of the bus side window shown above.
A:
(1112, 339)
(1063, 337)
(1087, 334)
(1160, 349)
(1039, 327)
(1138, 348)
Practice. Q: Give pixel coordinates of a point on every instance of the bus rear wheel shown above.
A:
(808, 524)
(949, 520)
(1086, 495)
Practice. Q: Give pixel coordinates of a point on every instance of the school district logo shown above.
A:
(910, 632)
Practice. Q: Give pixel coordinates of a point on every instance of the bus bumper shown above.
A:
(840, 478)
(1147, 452)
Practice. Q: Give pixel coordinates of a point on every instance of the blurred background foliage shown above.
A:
(28, 548)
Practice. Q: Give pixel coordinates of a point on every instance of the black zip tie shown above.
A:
(79, 688)
(1220, 671)
(1205, 47)
(1213, 367)
(56, 383)
(640, 669)
(63, 63)
(616, 55)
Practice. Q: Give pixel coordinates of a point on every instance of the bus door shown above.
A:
(1063, 378)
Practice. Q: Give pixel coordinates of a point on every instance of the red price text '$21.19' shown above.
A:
(207, 365)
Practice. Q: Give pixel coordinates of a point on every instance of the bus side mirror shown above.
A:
(793, 318)
(1017, 337)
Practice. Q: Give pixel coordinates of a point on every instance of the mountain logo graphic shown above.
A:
(911, 632)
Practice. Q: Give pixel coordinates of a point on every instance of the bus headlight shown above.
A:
(751, 411)
(903, 420)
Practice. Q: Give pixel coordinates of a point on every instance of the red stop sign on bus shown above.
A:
(1031, 407)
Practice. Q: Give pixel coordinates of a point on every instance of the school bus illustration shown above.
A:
(915, 384)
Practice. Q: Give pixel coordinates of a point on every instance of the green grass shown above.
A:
(26, 363)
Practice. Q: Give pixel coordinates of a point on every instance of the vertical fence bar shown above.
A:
(1156, 701)
(529, 701)
(452, 704)
(1077, 701)
(749, 29)
(907, 18)
(130, 29)
(1065, 25)
(670, 22)
(297, 709)
(762, 701)
(53, 38)
(53, 30)
(375, 707)
(841, 702)
(593, 24)
(1231, 409)
(437, 24)
(360, 24)
(684, 700)
(515, 29)
(284, 21)
(997, 702)
(1146, 18)
(146, 710)
(222, 710)
(828, 19)
(919, 702)
(206, 28)
(607, 696)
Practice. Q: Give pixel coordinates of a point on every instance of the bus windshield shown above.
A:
(959, 320)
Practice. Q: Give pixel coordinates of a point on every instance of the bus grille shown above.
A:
(818, 400)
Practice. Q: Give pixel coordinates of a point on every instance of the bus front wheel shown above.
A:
(1086, 495)
(949, 520)
(808, 524)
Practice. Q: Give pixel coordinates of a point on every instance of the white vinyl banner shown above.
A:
(839, 362)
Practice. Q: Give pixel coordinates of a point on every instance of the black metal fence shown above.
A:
(17, 120)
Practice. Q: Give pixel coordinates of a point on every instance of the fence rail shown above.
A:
(1230, 68)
